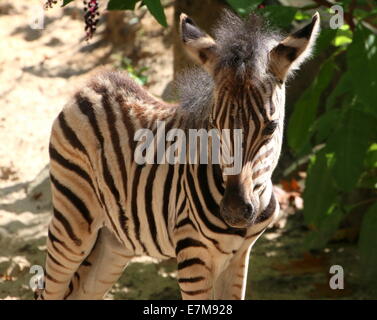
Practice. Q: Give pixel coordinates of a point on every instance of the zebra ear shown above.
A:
(199, 45)
(294, 49)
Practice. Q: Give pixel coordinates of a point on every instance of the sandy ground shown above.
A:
(39, 70)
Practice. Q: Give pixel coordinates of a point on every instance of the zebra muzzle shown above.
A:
(237, 212)
(238, 208)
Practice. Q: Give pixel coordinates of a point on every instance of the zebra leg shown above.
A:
(231, 283)
(101, 269)
(77, 217)
(63, 257)
(195, 273)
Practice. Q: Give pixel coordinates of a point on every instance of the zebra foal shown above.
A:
(107, 208)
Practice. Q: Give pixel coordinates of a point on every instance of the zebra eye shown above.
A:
(257, 186)
(270, 128)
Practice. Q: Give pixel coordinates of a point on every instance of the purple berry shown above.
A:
(50, 3)
(91, 17)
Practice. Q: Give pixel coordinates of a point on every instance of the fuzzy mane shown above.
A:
(242, 45)
(195, 89)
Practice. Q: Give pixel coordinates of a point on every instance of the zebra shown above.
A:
(108, 209)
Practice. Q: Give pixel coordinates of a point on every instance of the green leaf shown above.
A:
(362, 66)
(324, 40)
(359, 81)
(279, 16)
(302, 15)
(342, 40)
(305, 109)
(350, 144)
(320, 193)
(121, 4)
(342, 90)
(156, 9)
(368, 245)
(325, 125)
(343, 36)
(368, 179)
(371, 157)
(65, 2)
(361, 14)
(244, 7)
(328, 224)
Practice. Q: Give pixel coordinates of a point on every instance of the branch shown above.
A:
(348, 16)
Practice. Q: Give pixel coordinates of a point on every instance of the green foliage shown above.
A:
(371, 157)
(65, 2)
(362, 55)
(137, 74)
(346, 127)
(279, 16)
(350, 143)
(154, 7)
(368, 245)
(243, 7)
(343, 36)
(306, 108)
(121, 5)
(319, 191)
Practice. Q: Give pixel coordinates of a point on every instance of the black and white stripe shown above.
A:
(108, 209)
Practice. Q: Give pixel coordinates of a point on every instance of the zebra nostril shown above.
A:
(248, 210)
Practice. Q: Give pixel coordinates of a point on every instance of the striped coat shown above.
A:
(108, 208)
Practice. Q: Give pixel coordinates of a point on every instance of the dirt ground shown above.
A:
(39, 70)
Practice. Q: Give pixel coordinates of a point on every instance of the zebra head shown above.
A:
(249, 65)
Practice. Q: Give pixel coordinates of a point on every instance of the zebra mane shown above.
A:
(243, 44)
(194, 87)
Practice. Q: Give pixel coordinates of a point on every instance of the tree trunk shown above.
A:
(120, 29)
